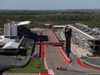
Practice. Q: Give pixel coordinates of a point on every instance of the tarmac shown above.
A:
(54, 59)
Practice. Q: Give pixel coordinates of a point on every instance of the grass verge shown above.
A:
(30, 68)
(90, 65)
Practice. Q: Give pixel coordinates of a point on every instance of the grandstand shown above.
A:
(88, 38)
(23, 31)
(12, 44)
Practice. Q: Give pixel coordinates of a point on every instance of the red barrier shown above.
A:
(61, 51)
(43, 49)
(50, 72)
(64, 56)
(81, 64)
(45, 74)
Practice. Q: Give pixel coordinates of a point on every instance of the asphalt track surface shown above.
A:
(55, 59)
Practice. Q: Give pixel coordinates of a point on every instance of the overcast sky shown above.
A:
(49, 4)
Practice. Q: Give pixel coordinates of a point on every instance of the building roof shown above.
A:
(11, 45)
(47, 24)
(1, 37)
(78, 30)
(5, 40)
(24, 23)
(59, 26)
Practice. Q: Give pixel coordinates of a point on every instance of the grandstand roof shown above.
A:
(1, 37)
(5, 40)
(11, 45)
(24, 23)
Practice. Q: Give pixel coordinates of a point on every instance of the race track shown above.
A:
(55, 59)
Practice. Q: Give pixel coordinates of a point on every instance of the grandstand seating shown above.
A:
(23, 31)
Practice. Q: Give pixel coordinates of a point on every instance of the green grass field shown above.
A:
(30, 68)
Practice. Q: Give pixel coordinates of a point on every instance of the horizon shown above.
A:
(49, 10)
(49, 4)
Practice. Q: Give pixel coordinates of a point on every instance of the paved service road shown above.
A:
(55, 59)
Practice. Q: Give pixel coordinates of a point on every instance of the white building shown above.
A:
(10, 29)
(47, 26)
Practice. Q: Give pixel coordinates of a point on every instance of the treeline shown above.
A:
(38, 19)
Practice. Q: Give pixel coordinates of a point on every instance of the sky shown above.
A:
(49, 4)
